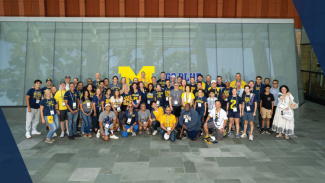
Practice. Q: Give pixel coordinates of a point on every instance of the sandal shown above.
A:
(286, 137)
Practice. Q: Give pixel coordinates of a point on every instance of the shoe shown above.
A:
(118, 129)
(28, 135)
(278, 136)
(77, 135)
(134, 134)
(243, 135)
(67, 133)
(154, 132)
(114, 137)
(53, 140)
(228, 134)
(62, 134)
(148, 132)
(85, 135)
(89, 135)
(98, 134)
(237, 136)
(71, 137)
(263, 132)
(250, 137)
(49, 141)
(213, 137)
(54, 134)
(268, 132)
(286, 137)
(36, 133)
(140, 132)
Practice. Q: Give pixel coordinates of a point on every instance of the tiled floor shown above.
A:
(147, 158)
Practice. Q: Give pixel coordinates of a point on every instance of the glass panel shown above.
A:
(229, 51)
(150, 46)
(203, 48)
(306, 51)
(13, 38)
(256, 51)
(122, 47)
(94, 50)
(317, 86)
(305, 81)
(304, 37)
(176, 49)
(67, 51)
(40, 49)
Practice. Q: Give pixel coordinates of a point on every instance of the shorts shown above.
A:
(108, 131)
(63, 115)
(219, 133)
(266, 113)
(248, 116)
(233, 114)
(211, 125)
(177, 110)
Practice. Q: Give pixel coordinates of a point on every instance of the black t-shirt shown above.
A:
(267, 100)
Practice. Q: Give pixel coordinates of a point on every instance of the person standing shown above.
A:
(144, 79)
(275, 91)
(167, 92)
(89, 82)
(266, 108)
(75, 81)
(190, 122)
(193, 84)
(160, 96)
(226, 92)
(200, 105)
(48, 86)
(129, 120)
(249, 107)
(238, 79)
(234, 111)
(86, 109)
(154, 82)
(136, 97)
(108, 123)
(200, 79)
(59, 97)
(106, 99)
(96, 82)
(172, 80)
(71, 100)
(115, 85)
(187, 96)
(33, 99)
(175, 101)
(97, 108)
(162, 80)
(116, 104)
(220, 84)
(198, 87)
(143, 91)
(168, 125)
(216, 90)
(48, 110)
(207, 83)
(151, 96)
(258, 89)
(67, 82)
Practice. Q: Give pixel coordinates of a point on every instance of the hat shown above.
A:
(173, 75)
(62, 82)
(107, 105)
(49, 80)
(213, 81)
(67, 76)
(227, 80)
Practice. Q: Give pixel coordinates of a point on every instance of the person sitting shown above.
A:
(108, 123)
(168, 125)
(129, 120)
(190, 122)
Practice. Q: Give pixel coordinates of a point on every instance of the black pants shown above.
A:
(271, 121)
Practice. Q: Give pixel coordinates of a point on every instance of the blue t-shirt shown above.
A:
(35, 97)
(150, 97)
(161, 98)
(135, 97)
(97, 103)
(43, 89)
(143, 95)
(246, 101)
(72, 98)
(227, 92)
(48, 106)
(134, 117)
(202, 100)
(234, 103)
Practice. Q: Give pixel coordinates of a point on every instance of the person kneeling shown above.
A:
(129, 120)
(219, 117)
(108, 123)
(168, 125)
(190, 122)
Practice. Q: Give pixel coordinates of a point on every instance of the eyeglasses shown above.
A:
(130, 106)
(275, 83)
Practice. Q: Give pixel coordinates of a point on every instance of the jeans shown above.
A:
(258, 115)
(200, 115)
(171, 136)
(86, 120)
(72, 121)
(34, 116)
(155, 125)
(125, 133)
(95, 120)
(54, 125)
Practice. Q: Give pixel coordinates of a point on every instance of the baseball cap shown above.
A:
(173, 75)
(107, 105)
(62, 82)
(227, 80)
(67, 76)
(213, 81)
(49, 80)
(166, 136)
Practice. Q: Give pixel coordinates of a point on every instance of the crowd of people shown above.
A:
(177, 108)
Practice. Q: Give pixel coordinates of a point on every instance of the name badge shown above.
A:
(37, 101)
(118, 109)
(226, 99)
(176, 102)
(63, 104)
(107, 125)
(129, 120)
(186, 120)
(144, 123)
(74, 105)
(234, 109)
(199, 105)
(52, 112)
(148, 101)
(167, 98)
(158, 102)
(100, 108)
(248, 108)
(137, 101)
(218, 123)
(88, 104)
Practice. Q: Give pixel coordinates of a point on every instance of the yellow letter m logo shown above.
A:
(128, 73)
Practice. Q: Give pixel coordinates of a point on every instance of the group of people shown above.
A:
(180, 109)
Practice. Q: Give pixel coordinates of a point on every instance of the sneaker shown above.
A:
(250, 137)
(213, 137)
(286, 137)
(89, 135)
(36, 133)
(134, 134)
(67, 133)
(237, 136)
(148, 132)
(98, 134)
(77, 135)
(48, 141)
(262, 131)
(28, 135)
(53, 140)
(85, 135)
(228, 134)
(154, 132)
(54, 134)
(62, 134)
(243, 135)
(268, 132)
(118, 129)
(114, 137)
(71, 137)
(278, 136)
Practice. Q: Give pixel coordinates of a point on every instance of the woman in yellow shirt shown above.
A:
(187, 96)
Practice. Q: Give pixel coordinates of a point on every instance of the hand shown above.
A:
(95, 113)
(29, 109)
(261, 112)
(205, 113)
(131, 128)
(254, 114)
(58, 112)
(171, 108)
(43, 121)
(124, 128)
(184, 127)
(240, 114)
(271, 112)
(102, 133)
(169, 132)
(227, 113)
(287, 108)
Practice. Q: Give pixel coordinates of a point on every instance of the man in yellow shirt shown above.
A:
(59, 97)
(156, 114)
(167, 125)
(144, 79)
(238, 78)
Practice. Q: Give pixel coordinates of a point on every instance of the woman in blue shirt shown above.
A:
(97, 99)
(151, 96)
(136, 97)
(49, 109)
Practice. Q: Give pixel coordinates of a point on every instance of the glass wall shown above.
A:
(52, 49)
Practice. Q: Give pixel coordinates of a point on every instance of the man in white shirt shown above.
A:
(219, 117)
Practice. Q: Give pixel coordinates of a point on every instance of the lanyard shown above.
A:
(169, 120)
(50, 106)
(75, 97)
(62, 95)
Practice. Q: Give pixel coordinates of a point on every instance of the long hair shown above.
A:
(153, 88)
(132, 90)
(83, 96)
(100, 93)
(119, 94)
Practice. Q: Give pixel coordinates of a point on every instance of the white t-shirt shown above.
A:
(116, 102)
(218, 118)
(211, 103)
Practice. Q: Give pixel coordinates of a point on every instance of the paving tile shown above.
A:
(166, 162)
(131, 171)
(233, 162)
(84, 174)
(160, 173)
(186, 177)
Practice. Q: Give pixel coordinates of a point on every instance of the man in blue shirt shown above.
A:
(162, 80)
(33, 99)
(275, 91)
(129, 120)
(190, 122)
(258, 90)
(249, 107)
(71, 99)
(48, 86)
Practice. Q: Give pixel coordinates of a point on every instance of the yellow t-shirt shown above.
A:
(242, 84)
(181, 88)
(168, 121)
(146, 81)
(203, 86)
(158, 113)
(216, 93)
(187, 99)
(59, 97)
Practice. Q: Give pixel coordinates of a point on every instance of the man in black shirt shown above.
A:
(266, 108)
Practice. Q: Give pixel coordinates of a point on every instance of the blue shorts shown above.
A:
(248, 116)
(233, 114)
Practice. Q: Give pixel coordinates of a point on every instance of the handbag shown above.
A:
(287, 114)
